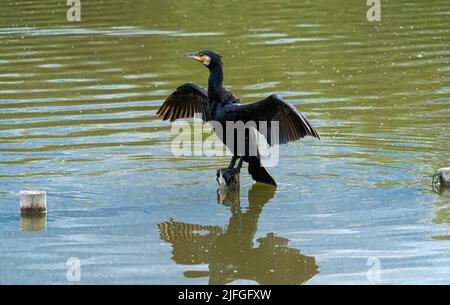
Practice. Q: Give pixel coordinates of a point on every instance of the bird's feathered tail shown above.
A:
(258, 172)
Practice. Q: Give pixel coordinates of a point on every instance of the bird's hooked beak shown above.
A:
(200, 58)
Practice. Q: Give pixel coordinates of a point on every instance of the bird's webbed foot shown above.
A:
(226, 175)
(229, 176)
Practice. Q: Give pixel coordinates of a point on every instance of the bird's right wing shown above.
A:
(293, 125)
(185, 102)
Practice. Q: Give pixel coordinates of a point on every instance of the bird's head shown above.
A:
(206, 57)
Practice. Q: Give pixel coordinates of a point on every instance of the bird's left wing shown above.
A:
(292, 124)
(188, 100)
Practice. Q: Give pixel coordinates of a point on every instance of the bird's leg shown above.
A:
(241, 160)
(232, 162)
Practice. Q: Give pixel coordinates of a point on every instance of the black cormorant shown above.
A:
(219, 105)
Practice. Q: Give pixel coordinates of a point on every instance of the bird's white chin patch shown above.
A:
(207, 60)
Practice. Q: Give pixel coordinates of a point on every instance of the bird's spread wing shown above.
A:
(293, 125)
(189, 99)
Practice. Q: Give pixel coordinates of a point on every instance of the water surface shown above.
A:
(78, 106)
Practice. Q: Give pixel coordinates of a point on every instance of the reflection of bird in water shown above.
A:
(229, 251)
(220, 105)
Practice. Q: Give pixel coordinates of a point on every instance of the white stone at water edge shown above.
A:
(33, 202)
(445, 175)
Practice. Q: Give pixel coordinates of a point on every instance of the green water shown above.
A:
(78, 104)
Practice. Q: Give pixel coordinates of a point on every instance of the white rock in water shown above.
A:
(445, 175)
(33, 202)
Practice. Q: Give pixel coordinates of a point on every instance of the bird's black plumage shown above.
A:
(189, 99)
(220, 105)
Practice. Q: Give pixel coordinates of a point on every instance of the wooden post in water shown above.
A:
(444, 174)
(33, 202)
(234, 182)
(228, 193)
(228, 197)
(33, 222)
